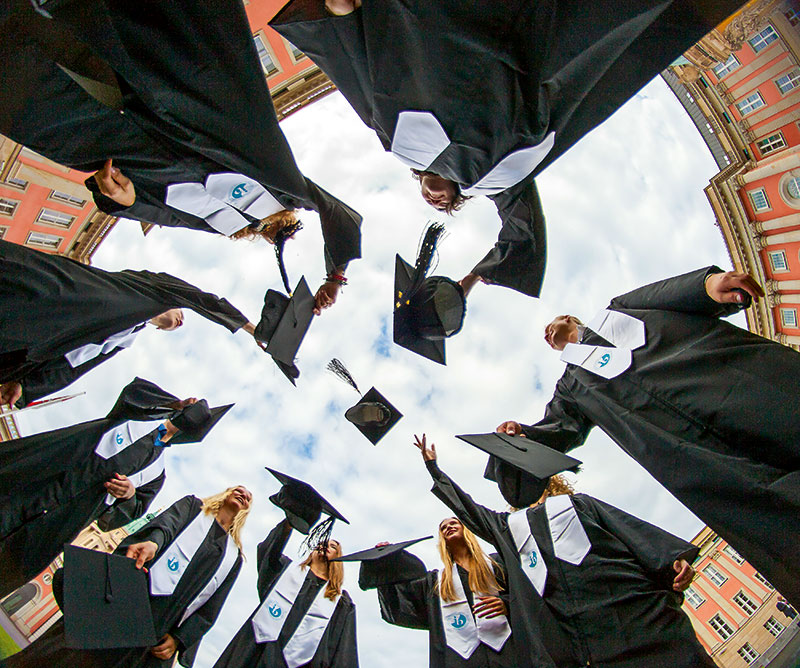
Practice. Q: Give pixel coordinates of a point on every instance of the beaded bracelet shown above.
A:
(336, 278)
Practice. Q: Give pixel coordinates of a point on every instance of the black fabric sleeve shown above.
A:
(685, 293)
(191, 632)
(345, 654)
(142, 400)
(518, 259)
(162, 530)
(270, 560)
(122, 512)
(478, 519)
(49, 377)
(563, 426)
(406, 603)
(341, 228)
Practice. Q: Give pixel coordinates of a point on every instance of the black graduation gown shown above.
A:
(51, 484)
(498, 76)
(51, 305)
(415, 605)
(49, 650)
(337, 647)
(710, 410)
(173, 130)
(617, 607)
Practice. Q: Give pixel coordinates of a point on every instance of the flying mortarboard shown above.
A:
(387, 564)
(106, 601)
(520, 467)
(196, 420)
(284, 322)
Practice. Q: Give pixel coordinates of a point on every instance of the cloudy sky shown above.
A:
(624, 207)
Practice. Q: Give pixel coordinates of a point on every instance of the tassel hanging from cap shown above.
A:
(320, 535)
(425, 255)
(286, 232)
(338, 369)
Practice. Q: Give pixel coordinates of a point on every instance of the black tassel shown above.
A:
(425, 256)
(338, 369)
(280, 239)
(319, 535)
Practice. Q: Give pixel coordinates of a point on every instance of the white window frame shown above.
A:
(259, 38)
(747, 653)
(749, 104)
(775, 142)
(763, 38)
(774, 627)
(791, 80)
(55, 218)
(777, 261)
(747, 604)
(66, 198)
(14, 182)
(721, 626)
(43, 240)
(763, 580)
(693, 598)
(792, 16)
(724, 69)
(8, 207)
(786, 182)
(290, 48)
(757, 204)
(789, 317)
(715, 576)
(733, 555)
(3, 230)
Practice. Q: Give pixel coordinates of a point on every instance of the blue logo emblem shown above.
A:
(119, 439)
(458, 621)
(534, 559)
(239, 191)
(173, 564)
(275, 610)
(605, 359)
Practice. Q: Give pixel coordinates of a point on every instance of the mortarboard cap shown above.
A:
(283, 325)
(196, 420)
(373, 415)
(520, 467)
(302, 504)
(387, 564)
(106, 601)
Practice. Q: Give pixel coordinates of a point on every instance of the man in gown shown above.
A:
(708, 408)
(481, 97)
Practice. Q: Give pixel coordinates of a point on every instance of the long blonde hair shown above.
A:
(211, 506)
(557, 486)
(335, 574)
(271, 226)
(481, 575)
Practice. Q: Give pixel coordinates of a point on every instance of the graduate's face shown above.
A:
(333, 550)
(560, 332)
(239, 498)
(436, 191)
(451, 529)
(169, 320)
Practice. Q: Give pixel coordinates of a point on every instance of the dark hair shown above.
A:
(458, 201)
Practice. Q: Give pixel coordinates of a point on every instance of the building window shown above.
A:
(42, 240)
(51, 217)
(747, 653)
(297, 54)
(771, 143)
(8, 206)
(788, 81)
(3, 231)
(727, 67)
(58, 196)
(745, 603)
(14, 182)
(693, 598)
(778, 261)
(733, 554)
(792, 16)
(759, 199)
(264, 55)
(750, 103)
(789, 317)
(773, 626)
(720, 626)
(762, 580)
(790, 187)
(762, 39)
(715, 576)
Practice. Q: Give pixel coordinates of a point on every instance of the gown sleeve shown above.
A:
(685, 293)
(341, 228)
(483, 522)
(142, 400)
(518, 259)
(406, 603)
(123, 512)
(563, 426)
(191, 632)
(345, 654)
(162, 530)
(270, 560)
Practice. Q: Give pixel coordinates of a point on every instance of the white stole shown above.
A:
(147, 474)
(625, 332)
(88, 352)
(272, 613)
(419, 139)
(224, 568)
(463, 631)
(120, 437)
(530, 557)
(168, 569)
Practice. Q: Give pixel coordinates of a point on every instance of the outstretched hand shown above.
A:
(10, 393)
(142, 552)
(326, 296)
(727, 288)
(428, 451)
(511, 428)
(115, 185)
(685, 575)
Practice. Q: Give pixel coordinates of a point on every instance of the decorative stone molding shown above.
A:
(774, 298)
(749, 20)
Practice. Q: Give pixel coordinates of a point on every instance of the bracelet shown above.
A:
(336, 278)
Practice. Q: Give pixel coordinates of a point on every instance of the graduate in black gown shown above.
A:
(53, 306)
(461, 606)
(708, 408)
(612, 581)
(193, 555)
(207, 128)
(480, 97)
(305, 618)
(55, 483)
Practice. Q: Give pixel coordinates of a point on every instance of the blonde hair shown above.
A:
(211, 506)
(481, 575)
(335, 574)
(557, 486)
(271, 226)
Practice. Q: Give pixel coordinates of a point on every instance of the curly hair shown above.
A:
(559, 485)
(458, 201)
(272, 225)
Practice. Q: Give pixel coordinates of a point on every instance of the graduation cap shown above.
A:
(303, 506)
(284, 322)
(426, 310)
(195, 421)
(521, 468)
(373, 415)
(387, 564)
(106, 601)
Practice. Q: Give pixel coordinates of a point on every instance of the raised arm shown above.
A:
(54, 375)
(270, 560)
(143, 400)
(164, 528)
(406, 603)
(127, 510)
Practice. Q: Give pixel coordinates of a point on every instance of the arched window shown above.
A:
(17, 600)
(790, 188)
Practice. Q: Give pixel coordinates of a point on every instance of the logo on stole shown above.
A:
(173, 564)
(459, 621)
(605, 359)
(275, 610)
(239, 191)
(534, 559)
(118, 438)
